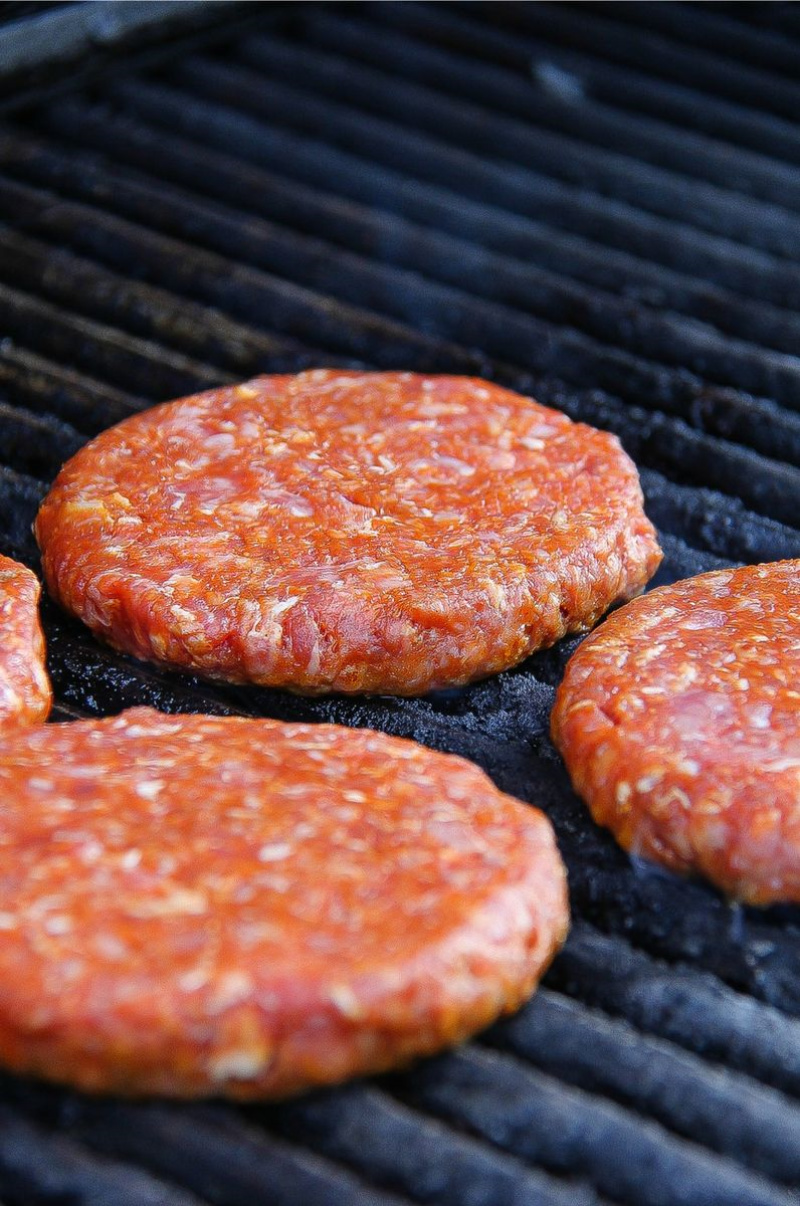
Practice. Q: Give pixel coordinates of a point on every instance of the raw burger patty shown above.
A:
(346, 531)
(25, 695)
(679, 721)
(193, 905)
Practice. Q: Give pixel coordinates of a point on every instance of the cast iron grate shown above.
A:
(597, 204)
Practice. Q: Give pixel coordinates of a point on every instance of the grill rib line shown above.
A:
(35, 444)
(681, 1004)
(42, 1167)
(142, 310)
(600, 219)
(501, 139)
(739, 1118)
(46, 387)
(536, 1118)
(760, 48)
(522, 290)
(546, 100)
(209, 1150)
(708, 73)
(405, 1150)
(499, 38)
(341, 204)
(125, 360)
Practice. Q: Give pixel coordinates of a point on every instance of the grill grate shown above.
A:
(597, 204)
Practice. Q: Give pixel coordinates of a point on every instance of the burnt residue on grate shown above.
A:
(596, 204)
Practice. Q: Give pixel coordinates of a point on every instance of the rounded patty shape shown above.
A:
(355, 532)
(198, 905)
(679, 721)
(25, 694)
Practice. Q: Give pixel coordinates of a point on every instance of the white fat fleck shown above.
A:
(180, 613)
(648, 782)
(179, 902)
(433, 410)
(277, 609)
(497, 593)
(314, 660)
(131, 859)
(238, 1065)
(622, 792)
(8, 921)
(676, 794)
(148, 789)
(232, 988)
(760, 716)
(57, 924)
(346, 1002)
(192, 980)
(274, 852)
(532, 443)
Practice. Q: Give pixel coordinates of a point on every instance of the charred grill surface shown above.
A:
(596, 204)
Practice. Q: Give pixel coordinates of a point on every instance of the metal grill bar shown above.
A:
(496, 36)
(37, 1166)
(523, 291)
(338, 176)
(523, 1111)
(503, 139)
(682, 1004)
(43, 385)
(735, 1115)
(368, 1129)
(554, 101)
(210, 1151)
(674, 244)
(761, 49)
(707, 72)
(141, 309)
(124, 360)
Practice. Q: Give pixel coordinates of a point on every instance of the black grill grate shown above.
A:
(597, 204)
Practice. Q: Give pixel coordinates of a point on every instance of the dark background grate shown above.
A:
(598, 204)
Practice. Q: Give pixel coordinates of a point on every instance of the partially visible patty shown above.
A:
(198, 905)
(679, 721)
(355, 532)
(25, 695)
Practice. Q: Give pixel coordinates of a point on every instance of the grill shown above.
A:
(598, 204)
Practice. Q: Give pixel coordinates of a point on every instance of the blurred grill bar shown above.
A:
(597, 204)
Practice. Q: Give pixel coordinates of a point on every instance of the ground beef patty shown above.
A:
(25, 695)
(357, 532)
(194, 905)
(679, 721)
